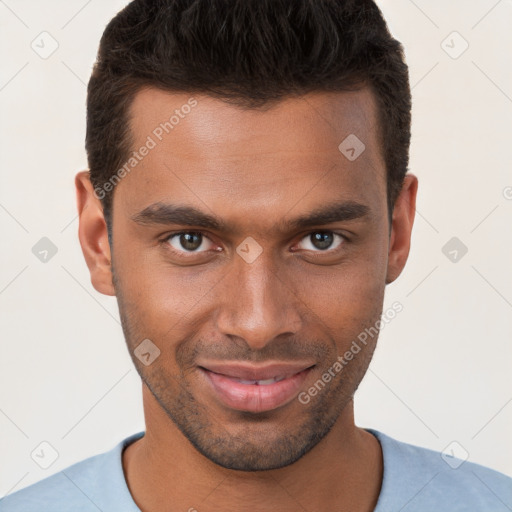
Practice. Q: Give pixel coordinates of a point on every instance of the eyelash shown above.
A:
(168, 237)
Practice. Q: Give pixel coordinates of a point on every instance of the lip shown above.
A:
(256, 372)
(224, 381)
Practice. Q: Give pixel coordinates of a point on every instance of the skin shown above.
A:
(254, 170)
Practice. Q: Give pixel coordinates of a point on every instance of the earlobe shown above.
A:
(93, 235)
(401, 228)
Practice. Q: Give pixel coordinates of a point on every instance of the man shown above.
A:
(247, 202)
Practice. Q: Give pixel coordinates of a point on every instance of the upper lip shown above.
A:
(254, 372)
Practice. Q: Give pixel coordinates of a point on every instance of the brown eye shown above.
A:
(188, 241)
(323, 241)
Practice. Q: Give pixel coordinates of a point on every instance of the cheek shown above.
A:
(348, 300)
(348, 306)
(166, 301)
(353, 289)
(161, 299)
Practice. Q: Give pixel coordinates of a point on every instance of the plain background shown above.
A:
(441, 372)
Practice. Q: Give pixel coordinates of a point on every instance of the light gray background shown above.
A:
(441, 372)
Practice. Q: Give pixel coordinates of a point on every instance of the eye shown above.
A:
(189, 241)
(323, 241)
(196, 242)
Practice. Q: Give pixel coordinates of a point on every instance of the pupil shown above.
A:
(187, 241)
(322, 240)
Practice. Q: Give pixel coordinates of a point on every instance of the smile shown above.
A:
(255, 389)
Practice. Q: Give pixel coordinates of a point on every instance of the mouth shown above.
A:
(255, 389)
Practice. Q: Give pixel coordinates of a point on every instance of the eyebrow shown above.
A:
(167, 213)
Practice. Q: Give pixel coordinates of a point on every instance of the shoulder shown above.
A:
(83, 487)
(420, 479)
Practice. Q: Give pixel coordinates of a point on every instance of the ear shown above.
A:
(93, 235)
(401, 227)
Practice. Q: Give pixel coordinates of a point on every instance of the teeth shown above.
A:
(265, 382)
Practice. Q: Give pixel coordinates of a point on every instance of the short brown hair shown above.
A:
(250, 53)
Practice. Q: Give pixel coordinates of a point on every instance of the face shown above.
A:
(251, 251)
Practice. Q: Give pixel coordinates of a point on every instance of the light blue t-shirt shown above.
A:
(415, 480)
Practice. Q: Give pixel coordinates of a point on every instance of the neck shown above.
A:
(342, 472)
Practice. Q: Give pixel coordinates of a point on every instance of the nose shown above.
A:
(257, 303)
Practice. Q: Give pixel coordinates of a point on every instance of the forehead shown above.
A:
(296, 153)
(315, 121)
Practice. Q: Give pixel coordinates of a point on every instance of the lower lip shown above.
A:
(255, 397)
